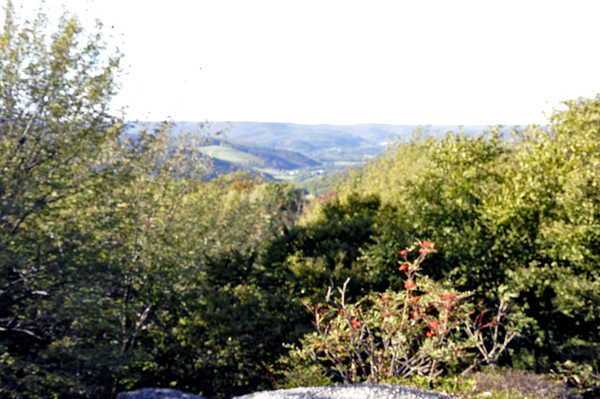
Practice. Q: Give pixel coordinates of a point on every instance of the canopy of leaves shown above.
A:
(122, 266)
(521, 210)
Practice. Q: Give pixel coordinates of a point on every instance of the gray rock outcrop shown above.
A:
(354, 391)
(157, 393)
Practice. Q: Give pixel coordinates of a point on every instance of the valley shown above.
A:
(309, 155)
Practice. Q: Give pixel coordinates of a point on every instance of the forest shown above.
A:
(122, 265)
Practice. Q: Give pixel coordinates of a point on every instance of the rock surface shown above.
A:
(354, 391)
(157, 393)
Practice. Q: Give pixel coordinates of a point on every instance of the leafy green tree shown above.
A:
(83, 215)
(120, 267)
(519, 209)
(57, 143)
(228, 316)
(556, 197)
(56, 133)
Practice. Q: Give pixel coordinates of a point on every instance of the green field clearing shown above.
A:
(282, 175)
(348, 163)
(230, 155)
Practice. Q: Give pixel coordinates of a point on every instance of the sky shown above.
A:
(348, 62)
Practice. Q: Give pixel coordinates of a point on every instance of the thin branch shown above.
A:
(22, 330)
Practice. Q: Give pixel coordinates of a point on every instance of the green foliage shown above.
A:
(58, 148)
(323, 185)
(119, 266)
(122, 266)
(582, 378)
(521, 211)
(396, 336)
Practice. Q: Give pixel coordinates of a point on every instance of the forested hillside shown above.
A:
(322, 143)
(277, 158)
(293, 152)
(123, 266)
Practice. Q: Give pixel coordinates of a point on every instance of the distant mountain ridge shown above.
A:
(295, 152)
(322, 143)
(298, 137)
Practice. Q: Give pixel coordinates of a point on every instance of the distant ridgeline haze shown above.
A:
(300, 153)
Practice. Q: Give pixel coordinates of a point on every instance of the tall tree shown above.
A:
(57, 139)
(520, 208)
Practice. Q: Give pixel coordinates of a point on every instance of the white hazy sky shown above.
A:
(345, 62)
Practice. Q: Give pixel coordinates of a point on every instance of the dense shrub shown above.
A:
(424, 331)
(519, 207)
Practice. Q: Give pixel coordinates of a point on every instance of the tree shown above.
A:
(57, 140)
(119, 266)
(521, 209)
(65, 171)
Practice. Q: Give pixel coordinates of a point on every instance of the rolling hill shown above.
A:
(295, 152)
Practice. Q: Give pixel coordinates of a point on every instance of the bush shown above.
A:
(517, 207)
(423, 331)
